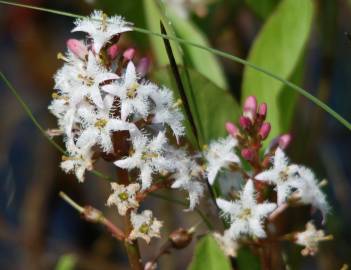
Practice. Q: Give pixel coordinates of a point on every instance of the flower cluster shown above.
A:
(107, 109)
(292, 184)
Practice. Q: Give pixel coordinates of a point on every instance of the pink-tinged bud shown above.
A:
(250, 107)
(244, 122)
(129, 54)
(247, 154)
(232, 129)
(262, 110)
(112, 51)
(284, 140)
(77, 48)
(264, 130)
(143, 66)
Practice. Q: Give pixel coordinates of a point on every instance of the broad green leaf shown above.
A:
(209, 256)
(66, 262)
(262, 8)
(278, 48)
(214, 105)
(154, 16)
(205, 63)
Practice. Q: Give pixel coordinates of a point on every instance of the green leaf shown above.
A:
(247, 260)
(214, 105)
(278, 48)
(66, 262)
(209, 256)
(205, 63)
(262, 8)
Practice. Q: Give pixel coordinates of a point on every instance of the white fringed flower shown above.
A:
(148, 157)
(310, 239)
(309, 192)
(144, 226)
(124, 197)
(245, 215)
(186, 176)
(220, 154)
(132, 94)
(79, 161)
(282, 175)
(102, 28)
(98, 127)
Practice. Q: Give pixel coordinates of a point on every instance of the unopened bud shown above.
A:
(143, 66)
(250, 107)
(264, 130)
(180, 238)
(77, 48)
(112, 51)
(284, 140)
(248, 154)
(232, 129)
(129, 54)
(262, 110)
(244, 122)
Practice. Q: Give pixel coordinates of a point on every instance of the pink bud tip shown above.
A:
(262, 109)
(232, 129)
(284, 140)
(112, 51)
(143, 66)
(264, 130)
(77, 48)
(250, 107)
(129, 54)
(247, 154)
(244, 122)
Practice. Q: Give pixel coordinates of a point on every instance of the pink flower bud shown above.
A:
(143, 66)
(129, 54)
(244, 122)
(77, 48)
(247, 153)
(264, 130)
(284, 140)
(250, 107)
(112, 51)
(262, 110)
(232, 129)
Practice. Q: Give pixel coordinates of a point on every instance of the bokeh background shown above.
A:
(37, 229)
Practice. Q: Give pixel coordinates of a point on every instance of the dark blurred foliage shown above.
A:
(37, 228)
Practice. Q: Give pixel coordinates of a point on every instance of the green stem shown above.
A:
(293, 86)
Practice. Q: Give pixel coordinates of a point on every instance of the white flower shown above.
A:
(310, 239)
(78, 161)
(308, 191)
(245, 215)
(144, 226)
(282, 175)
(220, 154)
(147, 156)
(166, 111)
(187, 171)
(124, 197)
(132, 94)
(101, 28)
(228, 245)
(98, 127)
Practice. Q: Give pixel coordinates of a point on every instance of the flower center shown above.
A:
(149, 155)
(104, 22)
(132, 90)
(87, 80)
(283, 175)
(245, 214)
(144, 228)
(100, 123)
(123, 196)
